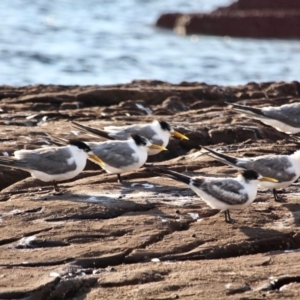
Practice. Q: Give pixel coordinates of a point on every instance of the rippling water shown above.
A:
(108, 41)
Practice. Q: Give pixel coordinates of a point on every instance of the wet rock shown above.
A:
(262, 4)
(244, 18)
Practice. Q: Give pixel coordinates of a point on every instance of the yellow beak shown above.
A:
(268, 179)
(94, 158)
(153, 146)
(179, 135)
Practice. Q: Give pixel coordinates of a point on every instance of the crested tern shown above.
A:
(285, 118)
(123, 156)
(284, 168)
(157, 132)
(222, 193)
(53, 163)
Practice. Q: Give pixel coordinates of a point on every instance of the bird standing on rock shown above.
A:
(53, 163)
(285, 118)
(123, 156)
(157, 132)
(284, 168)
(222, 193)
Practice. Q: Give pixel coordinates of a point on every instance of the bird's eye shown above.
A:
(86, 150)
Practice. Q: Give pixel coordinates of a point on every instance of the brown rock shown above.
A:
(245, 18)
(71, 105)
(174, 104)
(161, 239)
(263, 4)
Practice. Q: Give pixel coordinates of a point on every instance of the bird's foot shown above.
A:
(122, 180)
(280, 199)
(58, 193)
(148, 165)
(228, 219)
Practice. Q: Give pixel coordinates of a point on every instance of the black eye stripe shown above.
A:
(139, 140)
(165, 126)
(80, 145)
(250, 174)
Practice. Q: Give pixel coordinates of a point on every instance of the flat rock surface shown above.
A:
(151, 237)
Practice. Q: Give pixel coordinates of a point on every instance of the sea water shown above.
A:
(73, 42)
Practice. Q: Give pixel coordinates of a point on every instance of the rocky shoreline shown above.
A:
(151, 238)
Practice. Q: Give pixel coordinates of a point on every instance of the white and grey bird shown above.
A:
(123, 156)
(53, 164)
(224, 193)
(285, 118)
(157, 132)
(284, 168)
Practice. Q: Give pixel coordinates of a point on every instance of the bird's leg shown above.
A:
(227, 217)
(277, 198)
(225, 214)
(119, 178)
(56, 188)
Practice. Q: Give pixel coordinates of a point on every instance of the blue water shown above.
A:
(108, 41)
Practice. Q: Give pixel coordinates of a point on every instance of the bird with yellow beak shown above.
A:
(157, 132)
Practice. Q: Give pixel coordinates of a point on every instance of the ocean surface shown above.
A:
(73, 42)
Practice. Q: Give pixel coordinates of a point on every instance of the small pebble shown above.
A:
(54, 274)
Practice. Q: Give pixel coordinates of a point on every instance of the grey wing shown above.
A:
(143, 130)
(115, 154)
(289, 114)
(123, 133)
(48, 160)
(274, 166)
(228, 190)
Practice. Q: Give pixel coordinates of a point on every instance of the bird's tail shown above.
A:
(12, 163)
(92, 130)
(174, 175)
(226, 159)
(252, 111)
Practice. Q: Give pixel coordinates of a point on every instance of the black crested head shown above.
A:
(80, 145)
(250, 175)
(165, 126)
(139, 140)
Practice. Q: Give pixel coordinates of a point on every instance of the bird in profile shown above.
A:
(224, 193)
(157, 132)
(284, 168)
(53, 164)
(285, 118)
(123, 156)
